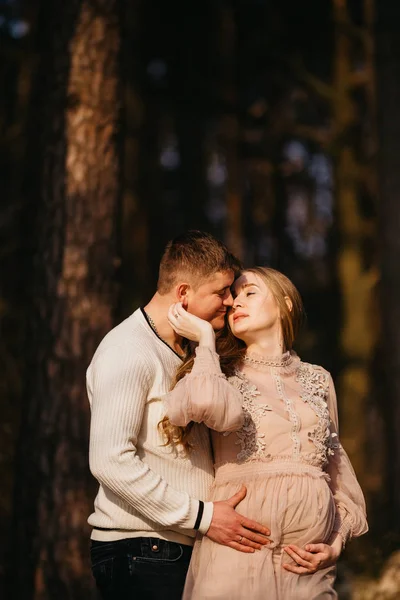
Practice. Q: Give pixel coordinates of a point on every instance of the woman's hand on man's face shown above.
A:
(191, 327)
(313, 557)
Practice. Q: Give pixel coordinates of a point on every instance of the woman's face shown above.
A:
(255, 312)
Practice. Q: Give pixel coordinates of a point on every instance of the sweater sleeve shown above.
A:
(351, 519)
(118, 385)
(205, 396)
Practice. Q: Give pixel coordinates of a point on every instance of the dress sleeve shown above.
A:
(351, 518)
(205, 396)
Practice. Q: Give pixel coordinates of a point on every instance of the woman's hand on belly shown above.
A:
(314, 556)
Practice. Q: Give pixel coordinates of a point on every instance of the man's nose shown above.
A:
(228, 301)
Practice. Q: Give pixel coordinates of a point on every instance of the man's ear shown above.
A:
(289, 303)
(182, 291)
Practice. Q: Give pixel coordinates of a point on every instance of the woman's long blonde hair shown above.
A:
(231, 350)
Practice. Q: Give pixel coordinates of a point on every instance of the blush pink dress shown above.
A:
(286, 450)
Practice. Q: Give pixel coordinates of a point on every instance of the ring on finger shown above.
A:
(240, 539)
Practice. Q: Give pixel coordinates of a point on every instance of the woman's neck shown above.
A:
(266, 347)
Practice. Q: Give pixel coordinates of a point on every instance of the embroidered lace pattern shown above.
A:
(315, 389)
(315, 384)
(294, 419)
(250, 439)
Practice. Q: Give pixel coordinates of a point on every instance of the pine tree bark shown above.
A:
(73, 187)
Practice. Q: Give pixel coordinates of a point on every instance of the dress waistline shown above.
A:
(229, 471)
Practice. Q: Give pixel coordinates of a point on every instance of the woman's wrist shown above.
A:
(207, 338)
(336, 543)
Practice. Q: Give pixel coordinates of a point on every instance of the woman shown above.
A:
(299, 480)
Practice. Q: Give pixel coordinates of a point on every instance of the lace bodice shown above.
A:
(286, 415)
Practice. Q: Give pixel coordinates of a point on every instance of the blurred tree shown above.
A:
(355, 179)
(135, 133)
(258, 127)
(16, 68)
(229, 130)
(73, 190)
(191, 72)
(388, 78)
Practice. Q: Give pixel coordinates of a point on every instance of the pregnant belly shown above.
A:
(296, 503)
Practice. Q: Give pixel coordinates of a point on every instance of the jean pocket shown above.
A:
(173, 555)
(103, 571)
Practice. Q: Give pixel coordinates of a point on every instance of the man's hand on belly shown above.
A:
(229, 528)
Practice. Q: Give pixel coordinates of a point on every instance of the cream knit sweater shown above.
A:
(146, 488)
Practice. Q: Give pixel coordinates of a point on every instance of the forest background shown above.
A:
(273, 125)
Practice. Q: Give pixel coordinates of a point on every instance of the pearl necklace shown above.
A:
(274, 361)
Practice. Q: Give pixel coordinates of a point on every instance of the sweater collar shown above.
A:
(154, 331)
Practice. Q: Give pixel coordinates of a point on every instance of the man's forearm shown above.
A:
(149, 494)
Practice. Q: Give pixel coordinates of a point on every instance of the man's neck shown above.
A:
(157, 309)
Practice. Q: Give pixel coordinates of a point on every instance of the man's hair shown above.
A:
(195, 255)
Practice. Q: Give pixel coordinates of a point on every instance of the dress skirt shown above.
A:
(294, 501)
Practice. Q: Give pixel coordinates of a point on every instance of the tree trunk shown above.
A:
(229, 129)
(135, 281)
(74, 189)
(388, 79)
(190, 129)
(191, 94)
(356, 279)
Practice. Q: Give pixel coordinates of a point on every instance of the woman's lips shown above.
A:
(238, 316)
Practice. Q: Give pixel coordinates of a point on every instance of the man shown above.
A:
(150, 501)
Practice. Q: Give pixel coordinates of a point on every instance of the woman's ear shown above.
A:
(289, 303)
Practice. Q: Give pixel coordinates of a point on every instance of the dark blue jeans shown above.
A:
(140, 568)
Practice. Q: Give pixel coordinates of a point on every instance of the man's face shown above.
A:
(211, 299)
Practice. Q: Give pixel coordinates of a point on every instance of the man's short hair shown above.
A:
(195, 255)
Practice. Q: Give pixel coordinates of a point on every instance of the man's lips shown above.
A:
(237, 316)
